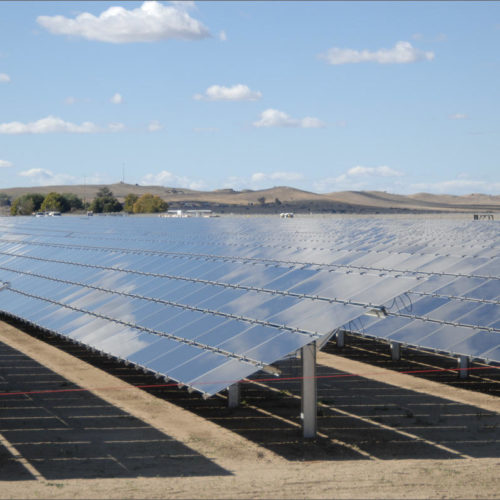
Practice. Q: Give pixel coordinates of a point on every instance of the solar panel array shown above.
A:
(207, 302)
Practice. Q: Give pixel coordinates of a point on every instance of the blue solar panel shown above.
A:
(207, 302)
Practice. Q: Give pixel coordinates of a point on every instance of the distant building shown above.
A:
(485, 216)
(188, 213)
(173, 213)
(199, 213)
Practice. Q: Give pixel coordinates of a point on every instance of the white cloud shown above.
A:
(166, 178)
(382, 171)
(309, 122)
(260, 180)
(154, 126)
(150, 22)
(53, 124)
(50, 124)
(117, 99)
(237, 92)
(5, 164)
(275, 118)
(4, 78)
(222, 36)
(45, 177)
(358, 178)
(116, 127)
(458, 116)
(401, 53)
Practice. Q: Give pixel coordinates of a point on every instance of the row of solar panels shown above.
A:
(465, 248)
(208, 302)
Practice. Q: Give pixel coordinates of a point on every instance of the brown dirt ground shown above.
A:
(382, 435)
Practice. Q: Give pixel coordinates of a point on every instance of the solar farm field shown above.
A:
(149, 357)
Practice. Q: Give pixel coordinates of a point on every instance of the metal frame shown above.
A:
(309, 391)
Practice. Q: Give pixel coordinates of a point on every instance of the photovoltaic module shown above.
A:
(209, 301)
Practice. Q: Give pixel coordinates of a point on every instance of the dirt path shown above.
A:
(210, 460)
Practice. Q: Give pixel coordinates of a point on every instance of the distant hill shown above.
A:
(282, 198)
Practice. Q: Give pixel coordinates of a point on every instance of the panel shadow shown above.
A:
(74, 434)
(358, 418)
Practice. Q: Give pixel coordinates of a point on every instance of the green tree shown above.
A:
(148, 204)
(4, 200)
(55, 202)
(26, 204)
(128, 205)
(73, 201)
(262, 200)
(105, 202)
(22, 206)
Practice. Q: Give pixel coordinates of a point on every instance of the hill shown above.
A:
(283, 198)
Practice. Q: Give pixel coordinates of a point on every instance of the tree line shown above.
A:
(104, 202)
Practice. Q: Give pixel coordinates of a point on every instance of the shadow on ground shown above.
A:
(69, 434)
(358, 418)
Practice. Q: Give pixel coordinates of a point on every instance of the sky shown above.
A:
(402, 97)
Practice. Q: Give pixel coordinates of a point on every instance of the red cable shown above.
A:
(230, 382)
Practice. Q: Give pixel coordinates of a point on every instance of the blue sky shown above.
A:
(323, 96)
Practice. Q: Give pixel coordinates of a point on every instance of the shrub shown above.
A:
(105, 202)
(130, 199)
(148, 204)
(26, 204)
(55, 202)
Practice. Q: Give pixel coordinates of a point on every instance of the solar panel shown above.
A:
(207, 302)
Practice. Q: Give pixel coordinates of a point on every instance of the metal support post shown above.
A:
(340, 338)
(309, 396)
(233, 395)
(463, 366)
(395, 351)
